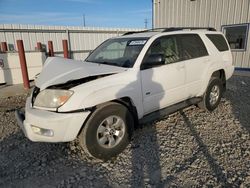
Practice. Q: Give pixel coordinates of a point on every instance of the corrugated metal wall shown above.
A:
(205, 13)
(81, 40)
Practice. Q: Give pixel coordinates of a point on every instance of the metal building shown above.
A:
(232, 17)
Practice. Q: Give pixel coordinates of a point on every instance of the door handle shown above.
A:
(206, 60)
(180, 67)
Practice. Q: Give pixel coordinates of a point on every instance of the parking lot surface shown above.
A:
(191, 148)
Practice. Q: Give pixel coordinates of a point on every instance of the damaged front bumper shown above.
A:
(45, 126)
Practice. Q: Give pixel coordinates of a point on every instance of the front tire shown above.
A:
(107, 132)
(212, 96)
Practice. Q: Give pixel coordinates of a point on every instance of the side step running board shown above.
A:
(163, 113)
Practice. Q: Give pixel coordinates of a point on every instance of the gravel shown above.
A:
(191, 148)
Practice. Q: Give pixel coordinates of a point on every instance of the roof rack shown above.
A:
(131, 32)
(190, 28)
(169, 29)
(147, 30)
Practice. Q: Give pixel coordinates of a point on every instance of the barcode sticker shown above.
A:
(137, 42)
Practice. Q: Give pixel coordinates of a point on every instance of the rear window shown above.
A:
(219, 42)
(192, 46)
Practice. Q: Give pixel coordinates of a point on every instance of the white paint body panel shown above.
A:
(124, 84)
(60, 70)
(163, 86)
(149, 90)
(65, 126)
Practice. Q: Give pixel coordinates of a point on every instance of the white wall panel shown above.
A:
(11, 72)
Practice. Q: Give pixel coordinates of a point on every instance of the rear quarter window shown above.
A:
(192, 46)
(219, 41)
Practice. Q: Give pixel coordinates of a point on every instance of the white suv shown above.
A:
(123, 82)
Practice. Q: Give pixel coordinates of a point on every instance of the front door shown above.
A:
(163, 85)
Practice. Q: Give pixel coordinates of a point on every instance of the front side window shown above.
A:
(175, 48)
(167, 46)
(121, 52)
(236, 36)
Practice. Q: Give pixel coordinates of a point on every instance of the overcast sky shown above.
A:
(98, 13)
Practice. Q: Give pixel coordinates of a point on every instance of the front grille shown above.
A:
(34, 94)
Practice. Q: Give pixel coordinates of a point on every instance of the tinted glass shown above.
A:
(192, 46)
(218, 41)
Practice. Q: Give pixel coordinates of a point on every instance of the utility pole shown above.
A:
(146, 23)
(83, 20)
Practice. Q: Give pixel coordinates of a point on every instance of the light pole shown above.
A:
(83, 20)
(146, 23)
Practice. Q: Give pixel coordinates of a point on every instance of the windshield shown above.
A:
(121, 52)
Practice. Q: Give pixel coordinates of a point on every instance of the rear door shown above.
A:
(196, 59)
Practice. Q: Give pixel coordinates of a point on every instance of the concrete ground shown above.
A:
(13, 90)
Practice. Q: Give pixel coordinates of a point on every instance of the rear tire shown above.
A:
(107, 132)
(212, 96)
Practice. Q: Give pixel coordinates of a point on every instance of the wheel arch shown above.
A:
(216, 73)
(125, 101)
(220, 74)
(128, 103)
(89, 142)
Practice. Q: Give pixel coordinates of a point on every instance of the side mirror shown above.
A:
(153, 60)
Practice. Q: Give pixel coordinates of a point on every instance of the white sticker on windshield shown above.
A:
(137, 42)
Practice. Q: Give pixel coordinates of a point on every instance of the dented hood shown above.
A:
(58, 70)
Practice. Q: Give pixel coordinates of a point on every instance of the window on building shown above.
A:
(236, 36)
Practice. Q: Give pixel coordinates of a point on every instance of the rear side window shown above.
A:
(192, 46)
(218, 41)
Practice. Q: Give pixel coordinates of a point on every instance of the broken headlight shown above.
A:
(52, 98)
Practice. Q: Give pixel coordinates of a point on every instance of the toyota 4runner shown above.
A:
(125, 81)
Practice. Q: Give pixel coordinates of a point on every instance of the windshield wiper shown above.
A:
(106, 63)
